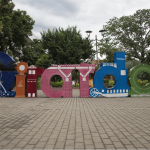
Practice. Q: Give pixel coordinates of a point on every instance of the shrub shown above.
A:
(77, 85)
(143, 83)
(39, 82)
(111, 83)
(57, 84)
(105, 81)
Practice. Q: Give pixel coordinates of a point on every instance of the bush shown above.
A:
(111, 83)
(77, 85)
(105, 81)
(53, 84)
(57, 84)
(39, 82)
(143, 83)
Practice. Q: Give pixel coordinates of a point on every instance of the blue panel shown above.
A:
(6, 60)
(117, 69)
(7, 79)
(8, 94)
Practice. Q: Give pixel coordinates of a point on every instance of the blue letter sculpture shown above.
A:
(7, 78)
(116, 69)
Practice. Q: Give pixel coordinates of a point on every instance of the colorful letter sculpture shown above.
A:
(65, 71)
(116, 69)
(6, 60)
(20, 79)
(136, 88)
(33, 73)
(7, 78)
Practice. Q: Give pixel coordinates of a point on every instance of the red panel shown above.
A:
(33, 73)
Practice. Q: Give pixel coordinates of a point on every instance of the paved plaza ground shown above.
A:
(74, 123)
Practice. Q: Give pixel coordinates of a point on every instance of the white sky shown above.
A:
(85, 14)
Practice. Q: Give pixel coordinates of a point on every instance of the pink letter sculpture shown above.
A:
(33, 73)
(65, 71)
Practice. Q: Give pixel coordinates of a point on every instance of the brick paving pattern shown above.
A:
(74, 123)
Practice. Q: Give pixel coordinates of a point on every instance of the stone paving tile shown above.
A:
(3, 143)
(104, 136)
(29, 147)
(22, 143)
(114, 139)
(87, 146)
(146, 137)
(70, 142)
(79, 140)
(97, 139)
(125, 141)
(130, 147)
(31, 133)
(132, 139)
(138, 144)
(40, 145)
(147, 145)
(51, 141)
(118, 145)
(15, 141)
(44, 139)
(87, 142)
(79, 146)
(21, 136)
(110, 146)
(33, 141)
(49, 146)
(69, 147)
(9, 146)
(74, 123)
(99, 145)
(59, 145)
(87, 136)
(107, 141)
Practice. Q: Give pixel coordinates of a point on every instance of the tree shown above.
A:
(6, 13)
(45, 61)
(75, 76)
(66, 46)
(32, 53)
(107, 48)
(1, 26)
(147, 59)
(130, 34)
(17, 26)
(29, 56)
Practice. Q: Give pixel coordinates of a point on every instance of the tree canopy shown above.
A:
(17, 26)
(32, 53)
(1, 26)
(130, 34)
(66, 46)
(45, 61)
(108, 48)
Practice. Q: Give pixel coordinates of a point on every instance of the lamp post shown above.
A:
(88, 33)
(96, 41)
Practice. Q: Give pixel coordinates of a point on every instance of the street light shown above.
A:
(103, 30)
(88, 32)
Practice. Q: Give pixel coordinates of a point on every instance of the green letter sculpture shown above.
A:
(136, 88)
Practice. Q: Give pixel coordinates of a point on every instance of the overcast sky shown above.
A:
(85, 14)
